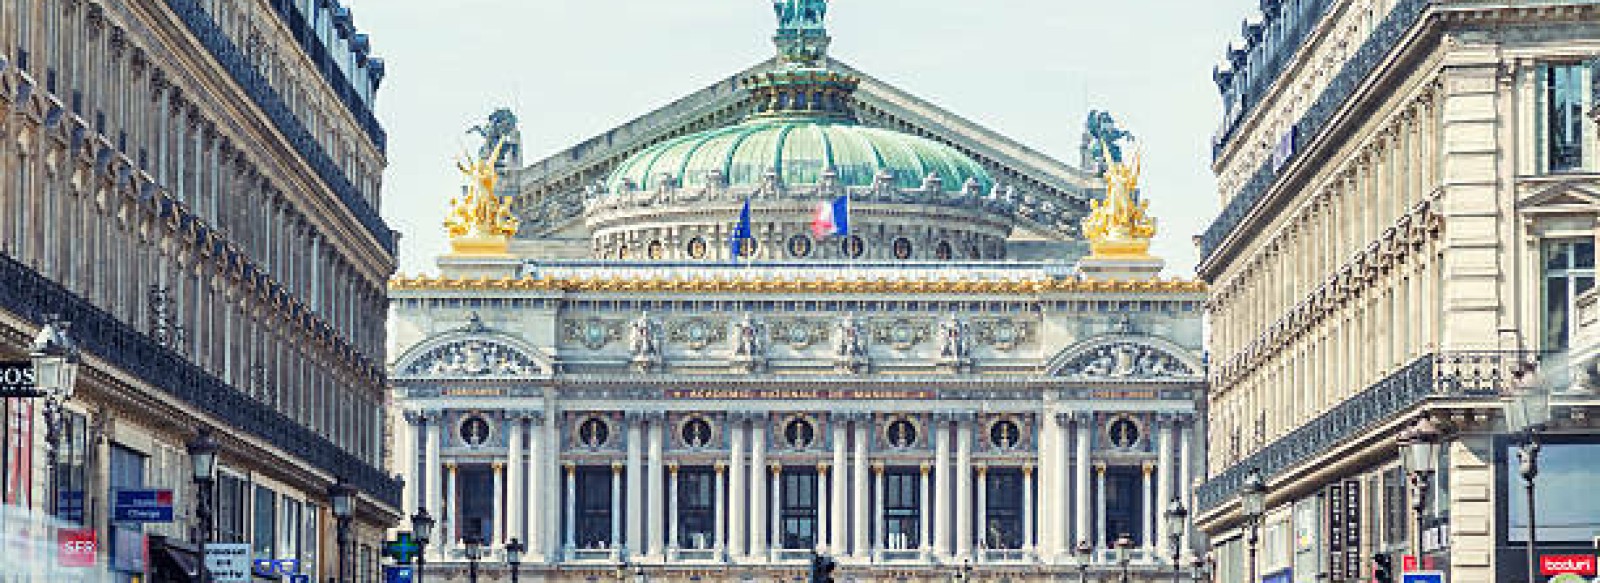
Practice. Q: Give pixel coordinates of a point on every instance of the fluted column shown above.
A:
(861, 525)
(982, 522)
(1066, 534)
(1100, 538)
(963, 490)
(758, 488)
(547, 463)
(516, 459)
(941, 487)
(497, 518)
(1082, 532)
(410, 458)
(737, 490)
(841, 500)
(616, 505)
(925, 509)
(672, 507)
(775, 509)
(570, 534)
(877, 510)
(1164, 479)
(538, 547)
(822, 506)
(656, 475)
(1049, 507)
(432, 475)
(1145, 470)
(1027, 507)
(452, 526)
(635, 489)
(1185, 433)
(719, 523)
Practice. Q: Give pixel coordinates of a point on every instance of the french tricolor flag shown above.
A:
(833, 218)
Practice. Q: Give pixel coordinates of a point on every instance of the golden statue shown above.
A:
(1120, 227)
(480, 223)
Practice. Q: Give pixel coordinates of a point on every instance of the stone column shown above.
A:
(656, 475)
(719, 522)
(775, 512)
(822, 506)
(538, 547)
(841, 501)
(1066, 534)
(1027, 507)
(570, 534)
(861, 525)
(431, 475)
(737, 490)
(1164, 479)
(515, 462)
(758, 488)
(877, 512)
(1049, 507)
(1149, 513)
(982, 523)
(1082, 532)
(941, 487)
(451, 525)
(410, 458)
(547, 458)
(672, 507)
(634, 539)
(1185, 431)
(1100, 540)
(497, 529)
(616, 506)
(963, 489)
(924, 510)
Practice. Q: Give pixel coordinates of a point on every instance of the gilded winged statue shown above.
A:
(479, 221)
(1120, 225)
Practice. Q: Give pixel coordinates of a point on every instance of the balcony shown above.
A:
(1440, 376)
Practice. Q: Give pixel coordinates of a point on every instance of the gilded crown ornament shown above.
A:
(1120, 226)
(479, 222)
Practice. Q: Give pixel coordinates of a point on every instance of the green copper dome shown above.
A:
(799, 149)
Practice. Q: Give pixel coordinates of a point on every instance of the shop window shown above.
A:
(1568, 271)
(266, 524)
(1567, 509)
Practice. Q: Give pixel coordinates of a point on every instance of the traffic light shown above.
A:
(1382, 569)
(822, 569)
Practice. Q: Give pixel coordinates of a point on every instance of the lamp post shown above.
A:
(1419, 449)
(422, 531)
(514, 550)
(964, 574)
(1124, 546)
(1197, 569)
(1253, 505)
(55, 376)
(474, 554)
(1085, 552)
(341, 497)
(1527, 412)
(1177, 518)
(203, 464)
(621, 574)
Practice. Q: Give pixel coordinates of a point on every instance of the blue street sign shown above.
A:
(142, 506)
(397, 574)
(301, 578)
(1422, 577)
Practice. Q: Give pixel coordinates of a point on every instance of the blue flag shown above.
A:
(741, 231)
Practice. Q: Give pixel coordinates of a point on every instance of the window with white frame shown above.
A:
(1568, 271)
(1566, 139)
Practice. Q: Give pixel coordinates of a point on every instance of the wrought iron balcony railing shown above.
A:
(1445, 375)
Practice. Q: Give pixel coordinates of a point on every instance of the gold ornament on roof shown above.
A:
(1120, 227)
(479, 222)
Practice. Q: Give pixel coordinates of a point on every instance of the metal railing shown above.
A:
(1459, 374)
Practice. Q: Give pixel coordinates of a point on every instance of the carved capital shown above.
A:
(616, 468)
(1027, 470)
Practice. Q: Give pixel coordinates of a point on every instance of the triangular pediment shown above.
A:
(1562, 197)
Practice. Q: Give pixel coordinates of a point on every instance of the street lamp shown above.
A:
(1253, 505)
(514, 550)
(421, 531)
(1527, 413)
(1199, 569)
(1124, 554)
(621, 573)
(638, 573)
(1419, 450)
(964, 574)
(1085, 552)
(1177, 518)
(55, 376)
(203, 464)
(341, 496)
(474, 554)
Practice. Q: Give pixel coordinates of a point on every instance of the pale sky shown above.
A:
(572, 69)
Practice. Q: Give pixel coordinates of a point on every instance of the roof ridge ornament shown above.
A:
(802, 36)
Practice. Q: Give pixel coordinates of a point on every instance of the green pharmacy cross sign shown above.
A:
(403, 549)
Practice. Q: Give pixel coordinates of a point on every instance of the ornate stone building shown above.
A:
(906, 363)
(1409, 195)
(194, 186)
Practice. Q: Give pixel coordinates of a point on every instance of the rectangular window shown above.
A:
(127, 473)
(1568, 510)
(1568, 271)
(696, 508)
(232, 494)
(1003, 509)
(266, 524)
(799, 513)
(1396, 520)
(1565, 123)
(902, 508)
(594, 507)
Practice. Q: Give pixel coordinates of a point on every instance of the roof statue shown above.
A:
(501, 128)
(1102, 141)
(802, 38)
(1119, 227)
(480, 223)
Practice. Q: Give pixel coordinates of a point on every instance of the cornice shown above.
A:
(773, 285)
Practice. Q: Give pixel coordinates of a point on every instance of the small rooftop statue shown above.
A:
(802, 37)
(1102, 141)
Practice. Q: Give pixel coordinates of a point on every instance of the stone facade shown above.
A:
(1388, 251)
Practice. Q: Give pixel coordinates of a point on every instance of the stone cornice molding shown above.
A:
(768, 285)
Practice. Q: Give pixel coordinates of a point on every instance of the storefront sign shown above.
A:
(1352, 527)
(16, 380)
(77, 547)
(228, 562)
(1336, 544)
(142, 506)
(796, 394)
(1558, 564)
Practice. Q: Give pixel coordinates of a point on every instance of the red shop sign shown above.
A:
(77, 547)
(1559, 564)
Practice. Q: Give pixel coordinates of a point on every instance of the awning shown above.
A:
(173, 564)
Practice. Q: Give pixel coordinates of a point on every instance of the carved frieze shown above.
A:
(473, 357)
(592, 333)
(1126, 360)
(1001, 333)
(901, 334)
(697, 333)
